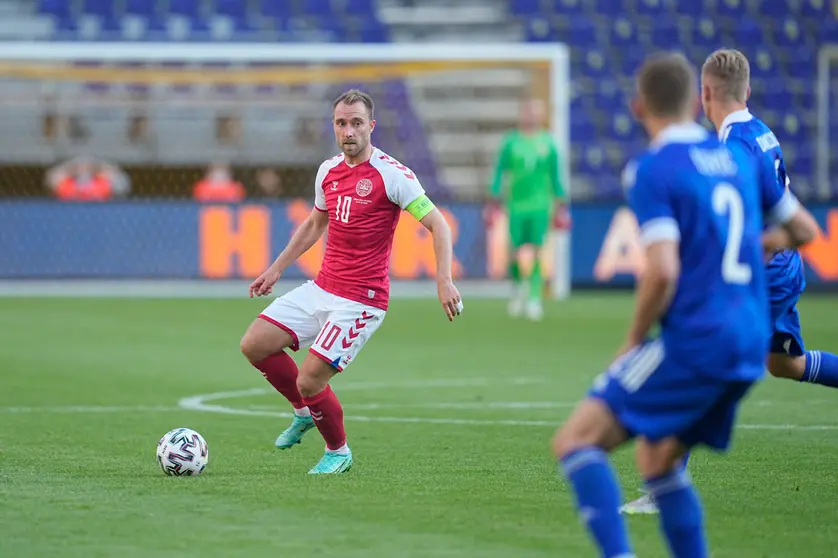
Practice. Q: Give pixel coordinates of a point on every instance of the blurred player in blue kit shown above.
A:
(699, 205)
(725, 85)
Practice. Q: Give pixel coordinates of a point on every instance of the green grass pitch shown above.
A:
(449, 424)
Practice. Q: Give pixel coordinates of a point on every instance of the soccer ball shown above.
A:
(182, 451)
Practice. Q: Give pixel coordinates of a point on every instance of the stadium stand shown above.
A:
(608, 39)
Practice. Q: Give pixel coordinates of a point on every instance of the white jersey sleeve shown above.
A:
(322, 172)
(401, 183)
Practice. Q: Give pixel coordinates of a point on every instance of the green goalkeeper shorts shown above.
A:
(528, 228)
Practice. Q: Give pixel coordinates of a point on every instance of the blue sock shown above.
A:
(680, 513)
(598, 500)
(821, 368)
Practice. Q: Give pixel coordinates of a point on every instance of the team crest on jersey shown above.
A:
(364, 187)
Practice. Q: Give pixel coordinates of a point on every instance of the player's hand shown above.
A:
(561, 218)
(449, 296)
(490, 212)
(264, 284)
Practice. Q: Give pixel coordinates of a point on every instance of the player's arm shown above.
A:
(410, 196)
(303, 238)
(496, 187)
(660, 234)
(793, 224)
(561, 218)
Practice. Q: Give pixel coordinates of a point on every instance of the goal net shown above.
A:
(156, 119)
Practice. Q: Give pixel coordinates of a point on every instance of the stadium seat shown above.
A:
(593, 161)
(373, 31)
(102, 8)
(623, 33)
(609, 7)
(569, 7)
(61, 9)
(732, 8)
(787, 33)
(235, 9)
(779, 99)
(802, 63)
(141, 7)
(189, 8)
(665, 33)
(359, 7)
(803, 163)
(526, 7)
(775, 10)
(693, 8)
(748, 32)
(274, 9)
(317, 8)
(539, 30)
(582, 128)
(763, 65)
(817, 9)
(623, 127)
(652, 7)
(580, 32)
(705, 33)
(828, 31)
(596, 64)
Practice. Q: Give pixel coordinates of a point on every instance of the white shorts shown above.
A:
(336, 328)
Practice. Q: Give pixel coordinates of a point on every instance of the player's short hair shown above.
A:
(732, 71)
(356, 96)
(667, 83)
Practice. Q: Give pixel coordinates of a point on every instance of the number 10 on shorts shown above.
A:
(328, 335)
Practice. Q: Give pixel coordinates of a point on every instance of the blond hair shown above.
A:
(731, 70)
(356, 96)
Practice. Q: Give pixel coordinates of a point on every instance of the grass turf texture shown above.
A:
(84, 482)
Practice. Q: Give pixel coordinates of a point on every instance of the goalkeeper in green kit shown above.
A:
(527, 181)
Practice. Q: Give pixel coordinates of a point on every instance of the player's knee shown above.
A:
(309, 385)
(569, 439)
(250, 348)
(658, 458)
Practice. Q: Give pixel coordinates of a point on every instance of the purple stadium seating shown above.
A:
(608, 40)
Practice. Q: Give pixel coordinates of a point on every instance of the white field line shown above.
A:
(204, 403)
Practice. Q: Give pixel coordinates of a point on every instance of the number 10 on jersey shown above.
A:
(342, 209)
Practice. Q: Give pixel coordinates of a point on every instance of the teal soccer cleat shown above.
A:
(294, 433)
(332, 463)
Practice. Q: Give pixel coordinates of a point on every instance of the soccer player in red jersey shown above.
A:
(358, 196)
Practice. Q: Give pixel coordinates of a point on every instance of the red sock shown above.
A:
(328, 416)
(281, 371)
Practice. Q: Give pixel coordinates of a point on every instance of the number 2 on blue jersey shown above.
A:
(728, 202)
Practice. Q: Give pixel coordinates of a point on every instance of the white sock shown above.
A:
(304, 412)
(343, 450)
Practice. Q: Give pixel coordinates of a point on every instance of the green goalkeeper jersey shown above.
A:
(529, 164)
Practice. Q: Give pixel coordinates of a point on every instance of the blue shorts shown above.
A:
(786, 337)
(786, 282)
(654, 397)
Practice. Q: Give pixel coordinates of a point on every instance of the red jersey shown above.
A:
(364, 203)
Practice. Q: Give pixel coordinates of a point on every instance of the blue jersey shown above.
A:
(785, 270)
(690, 188)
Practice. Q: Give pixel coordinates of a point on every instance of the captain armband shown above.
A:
(420, 207)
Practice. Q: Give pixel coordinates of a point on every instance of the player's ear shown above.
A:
(638, 110)
(697, 107)
(372, 124)
(748, 93)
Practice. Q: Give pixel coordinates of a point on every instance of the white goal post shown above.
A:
(827, 58)
(54, 62)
